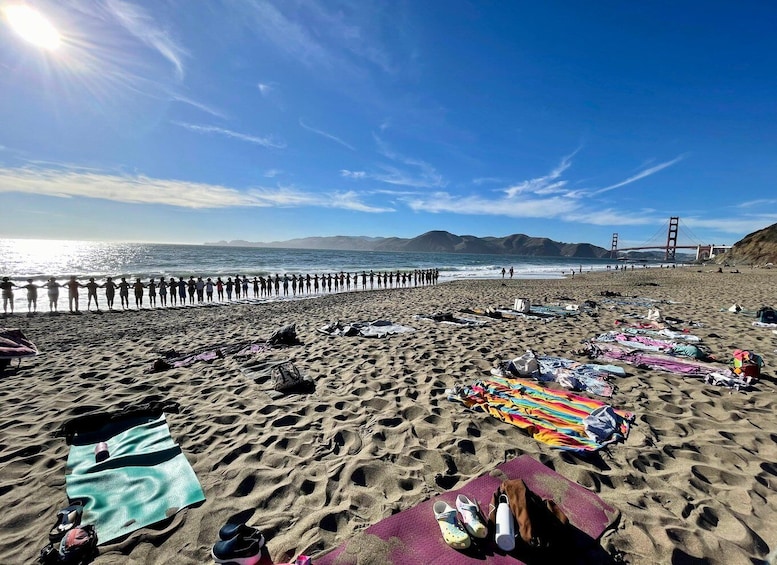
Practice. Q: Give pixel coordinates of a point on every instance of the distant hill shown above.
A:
(439, 242)
(757, 248)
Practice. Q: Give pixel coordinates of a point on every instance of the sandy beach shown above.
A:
(695, 481)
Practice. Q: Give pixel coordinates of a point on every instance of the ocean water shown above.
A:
(21, 259)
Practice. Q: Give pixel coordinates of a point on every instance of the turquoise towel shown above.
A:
(145, 479)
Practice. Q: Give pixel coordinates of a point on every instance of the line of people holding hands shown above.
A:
(203, 290)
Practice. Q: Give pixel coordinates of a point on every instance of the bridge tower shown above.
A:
(614, 247)
(671, 238)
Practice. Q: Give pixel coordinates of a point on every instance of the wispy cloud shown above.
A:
(422, 175)
(326, 135)
(140, 189)
(142, 26)
(353, 174)
(486, 180)
(733, 225)
(272, 173)
(264, 89)
(641, 175)
(263, 141)
(199, 105)
(548, 184)
(439, 202)
(759, 202)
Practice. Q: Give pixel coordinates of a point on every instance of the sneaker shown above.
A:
(229, 531)
(239, 550)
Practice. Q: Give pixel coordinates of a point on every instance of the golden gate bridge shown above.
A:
(703, 251)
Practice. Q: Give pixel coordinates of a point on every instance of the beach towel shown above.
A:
(650, 343)
(449, 318)
(555, 417)
(378, 328)
(650, 359)
(144, 479)
(412, 537)
(588, 377)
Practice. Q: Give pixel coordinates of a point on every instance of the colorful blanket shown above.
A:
(650, 359)
(555, 417)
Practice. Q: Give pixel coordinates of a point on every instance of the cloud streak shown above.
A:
(263, 141)
(326, 135)
(143, 27)
(641, 175)
(141, 189)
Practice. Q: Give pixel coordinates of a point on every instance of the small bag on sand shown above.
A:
(285, 376)
(522, 305)
(524, 366)
(654, 314)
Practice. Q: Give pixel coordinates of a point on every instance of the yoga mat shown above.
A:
(145, 479)
(413, 537)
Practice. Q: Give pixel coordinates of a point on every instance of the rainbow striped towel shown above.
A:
(555, 417)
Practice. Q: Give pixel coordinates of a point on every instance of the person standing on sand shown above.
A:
(110, 291)
(503, 272)
(32, 296)
(152, 293)
(199, 286)
(191, 289)
(245, 287)
(138, 287)
(53, 291)
(256, 287)
(209, 289)
(220, 289)
(182, 291)
(173, 291)
(230, 284)
(511, 271)
(91, 291)
(72, 293)
(162, 292)
(7, 287)
(124, 293)
(237, 287)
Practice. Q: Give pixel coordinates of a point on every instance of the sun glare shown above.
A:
(32, 26)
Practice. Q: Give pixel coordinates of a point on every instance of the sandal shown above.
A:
(452, 532)
(67, 519)
(471, 517)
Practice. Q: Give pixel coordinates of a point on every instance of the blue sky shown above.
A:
(181, 121)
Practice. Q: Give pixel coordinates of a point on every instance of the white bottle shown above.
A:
(505, 530)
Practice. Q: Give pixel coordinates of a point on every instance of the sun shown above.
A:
(32, 26)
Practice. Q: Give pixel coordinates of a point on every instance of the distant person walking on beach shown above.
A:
(124, 293)
(91, 291)
(110, 291)
(72, 293)
(7, 288)
(511, 272)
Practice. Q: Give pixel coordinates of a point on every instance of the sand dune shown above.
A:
(695, 482)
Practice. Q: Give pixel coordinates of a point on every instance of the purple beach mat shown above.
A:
(412, 537)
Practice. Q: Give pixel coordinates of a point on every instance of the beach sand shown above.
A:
(695, 481)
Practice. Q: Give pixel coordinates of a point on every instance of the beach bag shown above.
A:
(747, 364)
(525, 365)
(767, 315)
(654, 314)
(540, 524)
(522, 305)
(285, 376)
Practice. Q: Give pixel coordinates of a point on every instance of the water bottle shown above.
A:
(505, 530)
(101, 452)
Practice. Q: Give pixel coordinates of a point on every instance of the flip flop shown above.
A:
(471, 517)
(452, 532)
(67, 519)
